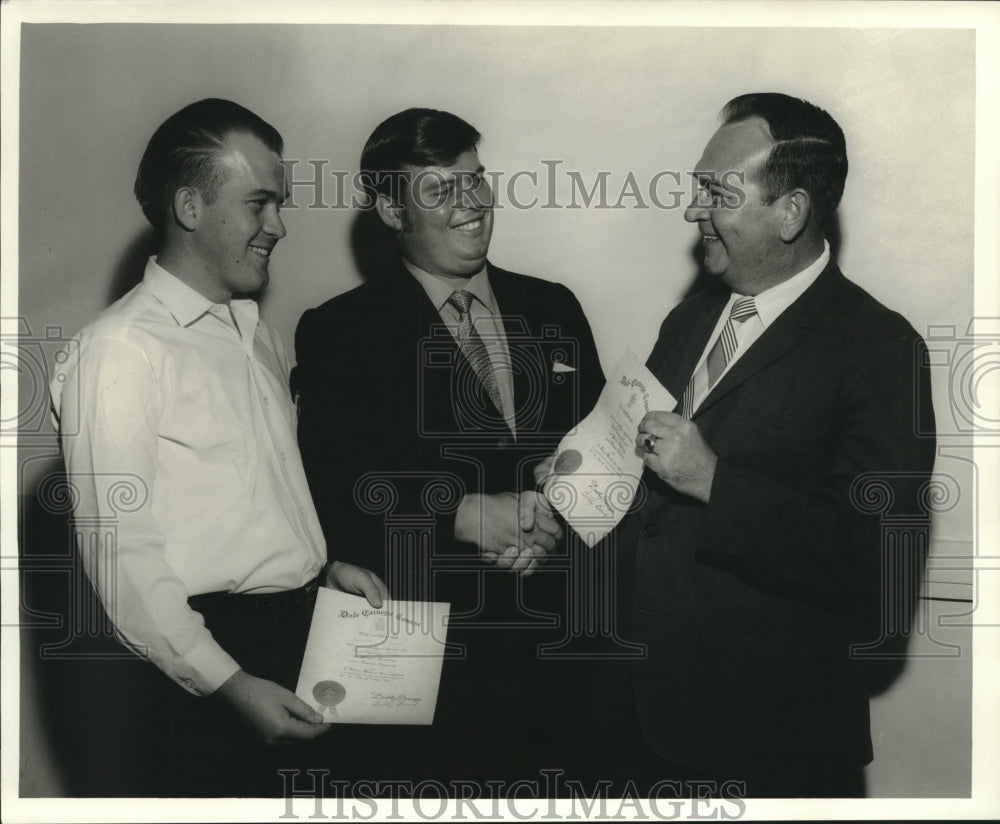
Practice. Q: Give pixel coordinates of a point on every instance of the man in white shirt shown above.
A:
(757, 557)
(181, 390)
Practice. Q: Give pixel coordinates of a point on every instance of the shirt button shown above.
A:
(649, 530)
(266, 402)
(282, 455)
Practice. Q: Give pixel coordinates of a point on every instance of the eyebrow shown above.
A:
(440, 182)
(268, 193)
(711, 180)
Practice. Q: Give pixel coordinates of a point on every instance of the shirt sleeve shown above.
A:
(107, 405)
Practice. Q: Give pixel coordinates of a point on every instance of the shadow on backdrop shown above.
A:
(131, 264)
(67, 649)
(373, 244)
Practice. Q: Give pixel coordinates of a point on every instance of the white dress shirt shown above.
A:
(486, 319)
(770, 304)
(189, 401)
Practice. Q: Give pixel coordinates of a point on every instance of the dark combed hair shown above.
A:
(412, 139)
(184, 151)
(809, 150)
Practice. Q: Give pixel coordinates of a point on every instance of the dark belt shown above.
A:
(241, 602)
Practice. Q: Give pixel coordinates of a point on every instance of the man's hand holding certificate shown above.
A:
(364, 665)
(597, 467)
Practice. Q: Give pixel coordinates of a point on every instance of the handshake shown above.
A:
(514, 531)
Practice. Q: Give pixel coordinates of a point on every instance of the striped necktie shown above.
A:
(722, 351)
(474, 349)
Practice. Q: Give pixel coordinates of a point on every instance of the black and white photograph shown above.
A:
(499, 411)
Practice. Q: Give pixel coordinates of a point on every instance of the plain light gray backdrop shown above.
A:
(615, 100)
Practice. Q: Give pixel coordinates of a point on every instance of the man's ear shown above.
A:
(390, 212)
(187, 205)
(796, 213)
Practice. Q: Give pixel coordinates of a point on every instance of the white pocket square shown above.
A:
(558, 366)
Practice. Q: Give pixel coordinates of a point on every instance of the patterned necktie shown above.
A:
(474, 349)
(722, 351)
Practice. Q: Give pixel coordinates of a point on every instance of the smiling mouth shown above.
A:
(471, 226)
(263, 251)
(707, 239)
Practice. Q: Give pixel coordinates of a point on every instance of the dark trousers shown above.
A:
(266, 634)
(142, 735)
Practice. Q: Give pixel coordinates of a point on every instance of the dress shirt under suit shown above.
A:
(390, 447)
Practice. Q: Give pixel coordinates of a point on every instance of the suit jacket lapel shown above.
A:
(410, 317)
(517, 328)
(787, 332)
(676, 375)
(407, 305)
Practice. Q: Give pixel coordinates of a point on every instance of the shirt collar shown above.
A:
(772, 302)
(187, 305)
(246, 315)
(183, 302)
(439, 289)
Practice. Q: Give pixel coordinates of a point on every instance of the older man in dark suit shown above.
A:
(426, 396)
(757, 558)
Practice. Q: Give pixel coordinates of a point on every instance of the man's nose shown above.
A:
(696, 210)
(275, 226)
(700, 205)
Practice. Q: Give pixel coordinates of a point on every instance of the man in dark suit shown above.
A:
(758, 556)
(426, 396)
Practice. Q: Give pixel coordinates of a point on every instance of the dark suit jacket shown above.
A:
(394, 430)
(749, 604)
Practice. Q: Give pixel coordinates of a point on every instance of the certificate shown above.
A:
(373, 666)
(598, 466)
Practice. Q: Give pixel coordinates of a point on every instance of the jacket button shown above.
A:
(502, 443)
(649, 530)
(645, 612)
